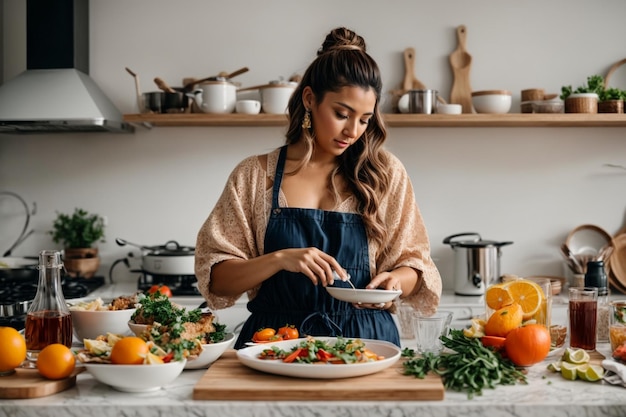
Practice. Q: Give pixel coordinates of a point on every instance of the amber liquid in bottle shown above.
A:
(44, 328)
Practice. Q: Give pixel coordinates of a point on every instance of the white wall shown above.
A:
(527, 185)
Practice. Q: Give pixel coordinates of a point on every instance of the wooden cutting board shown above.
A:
(461, 63)
(27, 383)
(229, 379)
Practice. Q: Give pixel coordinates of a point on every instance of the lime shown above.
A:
(569, 371)
(153, 359)
(591, 373)
(555, 366)
(576, 356)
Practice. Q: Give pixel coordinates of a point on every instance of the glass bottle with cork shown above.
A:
(596, 277)
(48, 319)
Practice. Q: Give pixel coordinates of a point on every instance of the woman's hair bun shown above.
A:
(342, 38)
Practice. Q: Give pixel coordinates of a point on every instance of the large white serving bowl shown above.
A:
(136, 378)
(492, 101)
(210, 353)
(89, 324)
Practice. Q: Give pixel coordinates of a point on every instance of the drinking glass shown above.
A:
(544, 315)
(429, 329)
(583, 307)
(617, 323)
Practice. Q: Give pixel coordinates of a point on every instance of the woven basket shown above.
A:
(581, 105)
(611, 106)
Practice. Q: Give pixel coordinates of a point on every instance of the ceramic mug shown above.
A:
(248, 106)
(217, 97)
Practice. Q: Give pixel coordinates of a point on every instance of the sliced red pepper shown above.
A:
(168, 358)
(324, 356)
(295, 354)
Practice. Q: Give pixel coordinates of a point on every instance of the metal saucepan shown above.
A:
(16, 269)
(168, 259)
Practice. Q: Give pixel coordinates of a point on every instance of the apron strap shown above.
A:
(278, 177)
(306, 326)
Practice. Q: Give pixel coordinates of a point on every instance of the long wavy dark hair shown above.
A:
(342, 61)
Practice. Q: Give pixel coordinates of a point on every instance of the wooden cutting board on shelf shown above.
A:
(461, 63)
(229, 379)
(27, 383)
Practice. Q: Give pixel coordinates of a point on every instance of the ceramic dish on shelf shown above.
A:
(249, 357)
(587, 239)
(363, 296)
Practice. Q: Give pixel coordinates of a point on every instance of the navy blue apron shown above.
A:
(291, 298)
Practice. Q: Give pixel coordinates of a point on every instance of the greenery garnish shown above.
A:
(471, 367)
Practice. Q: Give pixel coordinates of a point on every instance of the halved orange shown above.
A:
(528, 295)
(498, 296)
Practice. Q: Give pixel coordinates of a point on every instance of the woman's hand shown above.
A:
(387, 281)
(318, 266)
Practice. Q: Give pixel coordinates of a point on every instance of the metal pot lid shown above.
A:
(171, 248)
(480, 244)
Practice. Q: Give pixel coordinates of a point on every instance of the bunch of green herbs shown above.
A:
(470, 367)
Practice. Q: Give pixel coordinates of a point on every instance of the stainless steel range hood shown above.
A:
(55, 94)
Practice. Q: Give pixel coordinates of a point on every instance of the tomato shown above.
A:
(163, 289)
(620, 353)
(266, 334)
(56, 361)
(288, 332)
(527, 345)
(495, 342)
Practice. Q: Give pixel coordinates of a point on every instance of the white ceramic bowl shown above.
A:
(210, 353)
(275, 97)
(89, 324)
(136, 378)
(449, 108)
(138, 329)
(403, 103)
(248, 106)
(492, 101)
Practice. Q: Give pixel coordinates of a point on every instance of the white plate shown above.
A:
(363, 296)
(587, 239)
(248, 356)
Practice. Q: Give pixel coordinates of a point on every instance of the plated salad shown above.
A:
(315, 351)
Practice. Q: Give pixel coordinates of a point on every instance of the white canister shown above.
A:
(275, 97)
(218, 97)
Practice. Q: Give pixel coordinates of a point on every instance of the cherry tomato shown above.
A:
(266, 334)
(163, 289)
(288, 331)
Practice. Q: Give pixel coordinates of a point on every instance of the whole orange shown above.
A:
(527, 345)
(56, 361)
(504, 320)
(129, 350)
(12, 349)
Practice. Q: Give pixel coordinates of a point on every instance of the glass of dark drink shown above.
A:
(583, 307)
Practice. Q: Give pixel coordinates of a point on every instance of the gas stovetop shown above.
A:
(16, 296)
(179, 284)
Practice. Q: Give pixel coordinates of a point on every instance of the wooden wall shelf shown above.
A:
(394, 120)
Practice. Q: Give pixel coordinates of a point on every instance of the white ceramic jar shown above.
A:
(217, 97)
(275, 96)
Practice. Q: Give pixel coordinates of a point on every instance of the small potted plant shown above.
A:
(611, 100)
(78, 233)
(583, 99)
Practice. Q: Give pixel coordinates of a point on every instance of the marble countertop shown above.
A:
(546, 394)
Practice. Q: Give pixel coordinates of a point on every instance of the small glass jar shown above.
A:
(617, 323)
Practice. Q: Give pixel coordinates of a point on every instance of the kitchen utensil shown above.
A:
(168, 259)
(617, 260)
(27, 383)
(123, 242)
(587, 239)
(223, 76)
(491, 101)
(422, 101)
(248, 106)
(275, 96)
(137, 89)
(163, 85)
(572, 261)
(348, 280)
(216, 97)
(228, 379)
(461, 61)
(25, 232)
(164, 102)
(410, 80)
(449, 108)
(476, 263)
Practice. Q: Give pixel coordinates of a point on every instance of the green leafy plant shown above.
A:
(78, 230)
(595, 84)
(612, 94)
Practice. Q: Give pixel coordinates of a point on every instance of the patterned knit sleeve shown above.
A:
(407, 241)
(231, 230)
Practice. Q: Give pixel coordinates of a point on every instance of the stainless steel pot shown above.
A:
(168, 259)
(476, 262)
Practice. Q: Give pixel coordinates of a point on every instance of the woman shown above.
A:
(330, 200)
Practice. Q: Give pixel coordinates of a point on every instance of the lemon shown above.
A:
(569, 371)
(152, 359)
(554, 366)
(96, 347)
(591, 373)
(576, 356)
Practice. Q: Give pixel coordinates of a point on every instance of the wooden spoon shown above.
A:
(163, 85)
(137, 91)
(222, 74)
(410, 80)
(461, 62)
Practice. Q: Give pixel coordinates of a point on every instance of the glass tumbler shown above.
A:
(617, 323)
(583, 308)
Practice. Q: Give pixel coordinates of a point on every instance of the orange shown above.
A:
(56, 361)
(528, 295)
(12, 349)
(129, 350)
(504, 320)
(498, 296)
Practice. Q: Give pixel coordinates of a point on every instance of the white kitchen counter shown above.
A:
(546, 394)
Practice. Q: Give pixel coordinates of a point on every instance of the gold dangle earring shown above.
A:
(306, 121)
